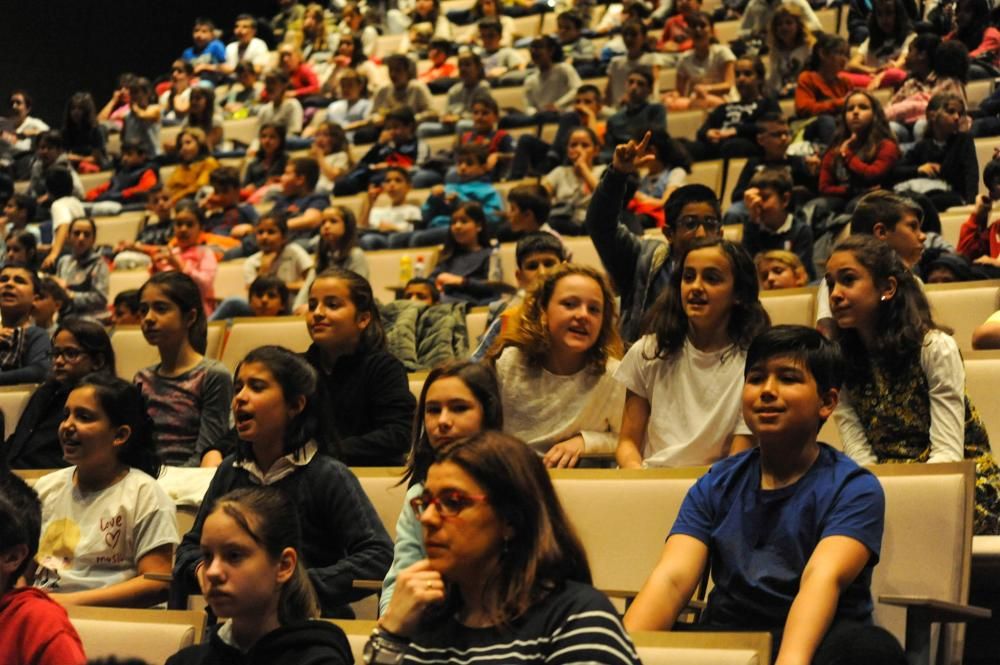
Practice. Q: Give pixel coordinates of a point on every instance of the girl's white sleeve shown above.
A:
(852, 433)
(942, 365)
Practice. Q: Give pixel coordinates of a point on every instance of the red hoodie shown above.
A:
(34, 630)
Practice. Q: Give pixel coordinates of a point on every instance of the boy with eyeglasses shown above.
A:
(773, 136)
(641, 267)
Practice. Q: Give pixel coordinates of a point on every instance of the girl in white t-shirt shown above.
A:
(556, 367)
(105, 521)
(706, 73)
(684, 379)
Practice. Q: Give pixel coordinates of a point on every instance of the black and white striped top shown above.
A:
(575, 624)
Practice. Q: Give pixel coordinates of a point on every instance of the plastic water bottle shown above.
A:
(405, 269)
(496, 267)
(419, 267)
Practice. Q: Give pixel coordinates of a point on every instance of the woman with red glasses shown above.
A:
(505, 578)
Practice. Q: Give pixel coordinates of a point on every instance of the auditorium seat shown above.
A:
(790, 306)
(149, 635)
(133, 352)
(248, 333)
(13, 399)
(963, 306)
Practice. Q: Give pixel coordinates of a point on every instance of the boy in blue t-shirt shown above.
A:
(792, 528)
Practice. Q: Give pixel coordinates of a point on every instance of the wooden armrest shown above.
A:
(939, 611)
(159, 577)
(618, 593)
(370, 585)
(922, 613)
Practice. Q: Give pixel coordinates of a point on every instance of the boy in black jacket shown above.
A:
(130, 184)
(772, 223)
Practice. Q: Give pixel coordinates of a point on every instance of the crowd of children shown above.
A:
(666, 358)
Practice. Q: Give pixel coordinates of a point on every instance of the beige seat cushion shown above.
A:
(382, 487)
(249, 333)
(152, 642)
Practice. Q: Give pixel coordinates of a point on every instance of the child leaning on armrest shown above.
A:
(978, 239)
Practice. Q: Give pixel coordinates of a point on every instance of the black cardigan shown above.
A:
(368, 399)
(342, 536)
(35, 442)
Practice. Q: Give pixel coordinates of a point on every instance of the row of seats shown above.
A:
(928, 527)
(155, 635)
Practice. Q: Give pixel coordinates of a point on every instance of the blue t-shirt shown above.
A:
(213, 53)
(760, 540)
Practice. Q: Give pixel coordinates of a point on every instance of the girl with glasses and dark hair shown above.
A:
(505, 577)
(692, 358)
(79, 347)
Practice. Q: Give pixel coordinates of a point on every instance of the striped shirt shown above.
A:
(575, 624)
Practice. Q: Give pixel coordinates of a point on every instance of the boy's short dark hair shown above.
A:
(133, 146)
(821, 356)
(225, 177)
(308, 168)
(400, 170)
(52, 289)
(205, 21)
(491, 23)
(36, 281)
(589, 88)
(573, 17)
(26, 203)
(264, 283)
(429, 283)
(882, 207)
(486, 99)
(129, 299)
(770, 118)
(20, 519)
(443, 45)
(52, 138)
(400, 60)
(244, 67)
(532, 198)
(991, 173)
(58, 181)
(276, 75)
(477, 152)
(644, 71)
(778, 180)
(403, 115)
(685, 195)
(538, 243)
(247, 17)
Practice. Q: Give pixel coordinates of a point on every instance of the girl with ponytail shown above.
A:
(253, 575)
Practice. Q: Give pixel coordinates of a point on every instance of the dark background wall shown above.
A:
(55, 48)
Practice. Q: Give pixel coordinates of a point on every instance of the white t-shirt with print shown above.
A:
(711, 69)
(400, 217)
(695, 401)
(92, 540)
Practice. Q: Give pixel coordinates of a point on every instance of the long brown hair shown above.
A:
(272, 521)
(530, 333)
(544, 551)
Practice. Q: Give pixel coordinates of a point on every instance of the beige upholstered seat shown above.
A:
(381, 485)
(791, 306)
(384, 265)
(13, 399)
(963, 306)
(121, 228)
(152, 635)
(125, 280)
(623, 518)
(248, 333)
(982, 383)
(133, 352)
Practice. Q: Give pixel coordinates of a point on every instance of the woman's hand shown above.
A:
(565, 454)
(630, 157)
(417, 588)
